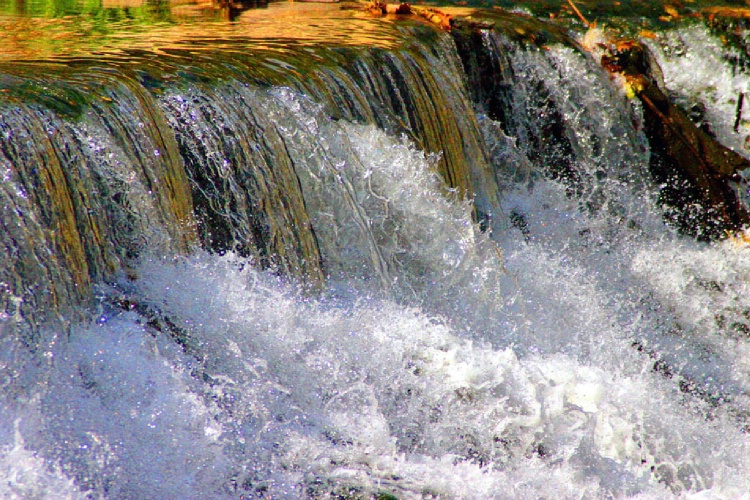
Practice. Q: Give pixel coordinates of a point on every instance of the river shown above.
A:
(298, 251)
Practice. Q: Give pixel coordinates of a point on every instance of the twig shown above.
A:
(578, 13)
(738, 118)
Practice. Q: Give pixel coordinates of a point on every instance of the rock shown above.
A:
(692, 167)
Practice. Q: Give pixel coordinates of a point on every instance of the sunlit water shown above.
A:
(581, 349)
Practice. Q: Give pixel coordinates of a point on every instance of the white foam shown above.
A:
(696, 68)
(25, 475)
(358, 393)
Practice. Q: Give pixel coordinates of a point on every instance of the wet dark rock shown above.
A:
(693, 169)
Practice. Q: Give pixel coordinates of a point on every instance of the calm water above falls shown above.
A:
(300, 255)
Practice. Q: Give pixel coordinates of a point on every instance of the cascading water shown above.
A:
(245, 276)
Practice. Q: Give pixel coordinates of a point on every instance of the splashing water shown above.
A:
(538, 393)
(579, 349)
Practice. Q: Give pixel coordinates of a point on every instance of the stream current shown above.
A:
(342, 279)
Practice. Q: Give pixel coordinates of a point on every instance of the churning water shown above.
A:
(577, 348)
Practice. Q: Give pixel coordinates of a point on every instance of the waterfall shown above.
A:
(86, 186)
(397, 262)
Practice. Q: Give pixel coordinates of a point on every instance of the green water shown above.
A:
(53, 29)
(161, 10)
(102, 11)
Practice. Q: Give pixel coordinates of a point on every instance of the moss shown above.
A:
(66, 101)
(384, 495)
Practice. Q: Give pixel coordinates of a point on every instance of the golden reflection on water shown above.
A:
(124, 26)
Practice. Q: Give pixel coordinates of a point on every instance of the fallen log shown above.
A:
(693, 169)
